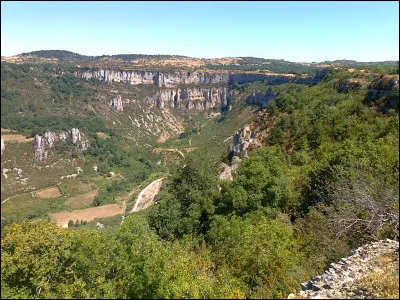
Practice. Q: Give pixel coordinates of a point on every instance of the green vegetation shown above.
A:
(135, 165)
(324, 182)
(63, 87)
(272, 65)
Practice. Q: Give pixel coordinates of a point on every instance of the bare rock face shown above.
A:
(193, 98)
(252, 136)
(116, 103)
(241, 141)
(156, 78)
(43, 144)
(178, 78)
(3, 147)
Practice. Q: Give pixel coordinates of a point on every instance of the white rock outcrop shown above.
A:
(3, 147)
(43, 144)
(199, 99)
(116, 103)
(174, 79)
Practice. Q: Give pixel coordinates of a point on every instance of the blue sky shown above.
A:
(294, 31)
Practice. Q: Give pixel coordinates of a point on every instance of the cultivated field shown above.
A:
(53, 192)
(62, 218)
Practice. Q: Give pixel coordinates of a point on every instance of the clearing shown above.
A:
(62, 218)
(102, 135)
(53, 192)
(16, 138)
(82, 200)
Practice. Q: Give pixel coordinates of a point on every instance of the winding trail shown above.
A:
(149, 192)
(158, 150)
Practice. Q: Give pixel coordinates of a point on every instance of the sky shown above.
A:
(294, 31)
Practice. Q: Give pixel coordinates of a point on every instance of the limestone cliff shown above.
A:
(178, 78)
(43, 144)
(261, 99)
(193, 98)
(154, 77)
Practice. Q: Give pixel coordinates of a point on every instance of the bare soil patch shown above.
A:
(53, 192)
(62, 218)
(83, 200)
(16, 138)
(6, 130)
(102, 135)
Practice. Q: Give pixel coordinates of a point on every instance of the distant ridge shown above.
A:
(69, 55)
(72, 56)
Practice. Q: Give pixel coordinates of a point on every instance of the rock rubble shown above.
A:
(338, 281)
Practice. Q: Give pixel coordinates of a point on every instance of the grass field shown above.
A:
(102, 135)
(82, 201)
(19, 138)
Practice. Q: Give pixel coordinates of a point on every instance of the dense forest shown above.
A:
(324, 182)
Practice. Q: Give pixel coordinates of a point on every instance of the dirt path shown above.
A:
(158, 150)
(148, 193)
(5, 200)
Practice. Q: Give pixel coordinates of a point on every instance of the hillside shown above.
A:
(308, 155)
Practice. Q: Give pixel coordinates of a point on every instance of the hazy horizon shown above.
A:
(293, 31)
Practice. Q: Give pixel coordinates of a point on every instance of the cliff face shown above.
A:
(261, 99)
(43, 144)
(179, 78)
(157, 78)
(252, 136)
(193, 98)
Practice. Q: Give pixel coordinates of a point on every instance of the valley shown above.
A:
(226, 168)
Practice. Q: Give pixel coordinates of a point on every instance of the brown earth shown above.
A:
(53, 192)
(62, 218)
(81, 200)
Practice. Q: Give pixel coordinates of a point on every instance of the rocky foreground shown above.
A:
(342, 279)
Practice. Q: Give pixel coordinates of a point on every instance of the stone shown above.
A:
(192, 98)
(42, 145)
(306, 285)
(3, 147)
(316, 287)
(116, 103)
